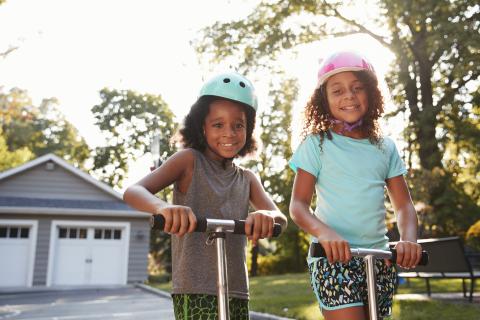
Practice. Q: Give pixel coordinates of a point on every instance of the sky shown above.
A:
(70, 50)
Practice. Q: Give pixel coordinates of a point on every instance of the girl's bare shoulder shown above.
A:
(182, 160)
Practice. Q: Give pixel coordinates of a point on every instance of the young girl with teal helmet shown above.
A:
(208, 184)
(347, 162)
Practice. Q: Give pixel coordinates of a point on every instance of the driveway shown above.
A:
(106, 304)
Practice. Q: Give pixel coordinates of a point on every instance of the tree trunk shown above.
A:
(429, 152)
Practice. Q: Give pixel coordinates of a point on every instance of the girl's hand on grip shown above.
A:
(178, 219)
(336, 248)
(408, 254)
(259, 225)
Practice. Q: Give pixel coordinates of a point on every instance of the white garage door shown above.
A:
(89, 253)
(17, 252)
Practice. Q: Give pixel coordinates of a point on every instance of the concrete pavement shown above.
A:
(109, 303)
(121, 303)
(253, 315)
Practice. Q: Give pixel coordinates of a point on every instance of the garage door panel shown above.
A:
(107, 262)
(17, 251)
(71, 263)
(14, 262)
(89, 254)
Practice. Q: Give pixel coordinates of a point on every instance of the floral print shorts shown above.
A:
(340, 285)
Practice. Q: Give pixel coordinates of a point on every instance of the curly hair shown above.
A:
(191, 134)
(318, 116)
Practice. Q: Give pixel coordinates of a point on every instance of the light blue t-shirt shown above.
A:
(350, 181)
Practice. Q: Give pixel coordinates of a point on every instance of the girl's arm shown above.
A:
(141, 195)
(408, 251)
(336, 248)
(266, 214)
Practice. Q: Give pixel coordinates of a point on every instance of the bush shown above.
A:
(472, 237)
(159, 278)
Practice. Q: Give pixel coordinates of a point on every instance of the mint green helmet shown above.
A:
(233, 86)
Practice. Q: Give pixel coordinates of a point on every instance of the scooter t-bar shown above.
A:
(213, 225)
(217, 229)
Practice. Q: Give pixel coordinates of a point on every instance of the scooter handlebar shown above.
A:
(157, 222)
(316, 251)
(240, 228)
(423, 259)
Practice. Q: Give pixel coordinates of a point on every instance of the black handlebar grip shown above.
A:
(157, 222)
(316, 250)
(201, 225)
(240, 228)
(423, 260)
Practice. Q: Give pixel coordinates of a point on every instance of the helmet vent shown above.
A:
(226, 80)
(242, 84)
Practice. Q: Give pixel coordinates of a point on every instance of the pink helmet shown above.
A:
(340, 62)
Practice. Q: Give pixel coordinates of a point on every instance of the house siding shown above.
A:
(139, 247)
(42, 252)
(59, 183)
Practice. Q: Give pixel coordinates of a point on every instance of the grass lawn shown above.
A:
(289, 295)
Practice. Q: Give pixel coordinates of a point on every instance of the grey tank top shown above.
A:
(214, 192)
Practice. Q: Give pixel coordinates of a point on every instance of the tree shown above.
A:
(434, 79)
(129, 122)
(40, 129)
(11, 159)
(276, 176)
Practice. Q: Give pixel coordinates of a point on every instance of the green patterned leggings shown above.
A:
(204, 307)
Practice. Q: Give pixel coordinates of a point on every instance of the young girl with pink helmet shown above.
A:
(347, 162)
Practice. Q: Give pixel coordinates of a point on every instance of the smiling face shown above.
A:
(347, 97)
(225, 129)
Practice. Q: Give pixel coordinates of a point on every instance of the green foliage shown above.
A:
(272, 27)
(11, 159)
(161, 243)
(452, 212)
(473, 236)
(271, 165)
(129, 122)
(39, 129)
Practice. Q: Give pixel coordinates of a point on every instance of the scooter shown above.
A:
(369, 256)
(217, 230)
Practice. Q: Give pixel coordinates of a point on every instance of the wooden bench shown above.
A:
(447, 260)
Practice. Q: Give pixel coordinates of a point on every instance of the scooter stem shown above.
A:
(371, 287)
(222, 282)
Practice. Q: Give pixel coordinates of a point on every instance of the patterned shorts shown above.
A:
(204, 307)
(341, 285)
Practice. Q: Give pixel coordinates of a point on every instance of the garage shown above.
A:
(88, 253)
(17, 249)
(61, 227)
